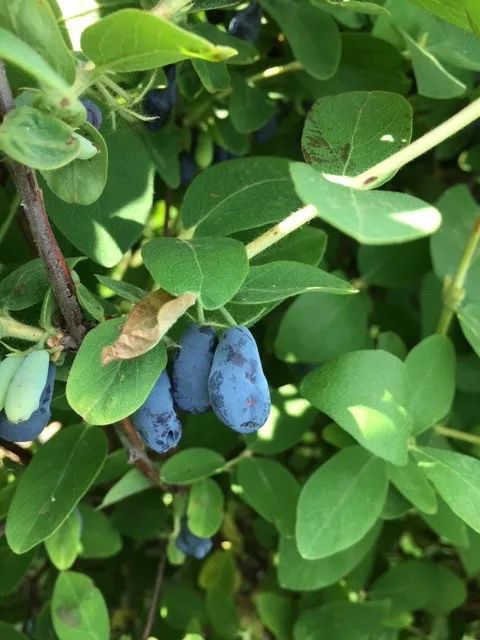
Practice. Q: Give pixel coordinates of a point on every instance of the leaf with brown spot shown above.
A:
(148, 322)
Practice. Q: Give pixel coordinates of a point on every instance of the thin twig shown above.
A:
(24, 455)
(32, 199)
(464, 436)
(136, 451)
(152, 612)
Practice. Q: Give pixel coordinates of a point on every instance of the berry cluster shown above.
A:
(225, 376)
(26, 389)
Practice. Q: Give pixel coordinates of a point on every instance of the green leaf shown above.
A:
(431, 373)
(164, 148)
(246, 52)
(99, 538)
(413, 484)
(396, 585)
(470, 555)
(250, 107)
(63, 546)
(459, 215)
(342, 619)
(151, 517)
(447, 525)
(367, 64)
(213, 75)
(7, 632)
(469, 317)
(305, 245)
(191, 465)
(366, 393)
(79, 611)
(130, 484)
(60, 473)
(105, 394)
(370, 217)
(298, 20)
(396, 265)
(134, 40)
(205, 508)
(356, 6)
(219, 572)
(223, 614)
(433, 79)
(89, 303)
(106, 229)
(211, 268)
(237, 195)
(22, 55)
(289, 418)
(271, 489)
(27, 285)
(456, 477)
(391, 342)
(37, 139)
(340, 503)
(349, 133)
(450, 10)
(81, 181)
(14, 568)
(125, 290)
(182, 605)
(343, 319)
(34, 22)
(297, 574)
(283, 279)
(277, 613)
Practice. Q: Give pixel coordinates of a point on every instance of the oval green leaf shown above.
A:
(191, 465)
(60, 473)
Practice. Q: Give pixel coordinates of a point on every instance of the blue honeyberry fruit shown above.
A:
(193, 545)
(159, 102)
(191, 367)
(188, 168)
(31, 428)
(265, 133)
(94, 115)
(221, 154)
(156, 420)
(238, 387)
(246, 24)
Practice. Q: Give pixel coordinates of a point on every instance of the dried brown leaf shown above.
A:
(148, 322)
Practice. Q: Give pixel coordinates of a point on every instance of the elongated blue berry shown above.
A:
(192, 545)
(156, 420)
(246, 24)
(94, 115)
(31, 428)
(191, 368)
(188, 168)
(238, 387)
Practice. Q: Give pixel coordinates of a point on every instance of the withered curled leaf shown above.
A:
(148, 322)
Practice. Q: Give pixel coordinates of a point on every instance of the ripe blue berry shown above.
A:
(94, 115)
(159, 102)
(191, 368)
(246, 24)
(222, 154)
(156, 420)
(31, 428)
(188, 168)
(192, 545)
(268, 130)
(237, 385)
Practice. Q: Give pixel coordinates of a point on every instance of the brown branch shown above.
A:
(152, 613)
(24, 455)
(57, 269)
(136, 451)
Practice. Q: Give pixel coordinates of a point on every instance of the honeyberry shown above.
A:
(32, 427)
(191, 368)
(156, 420)
(159, 102)
(238, 387)
(193, 545)
(94, 115)
(246, 24)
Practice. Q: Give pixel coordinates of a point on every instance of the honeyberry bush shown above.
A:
(220, 168)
